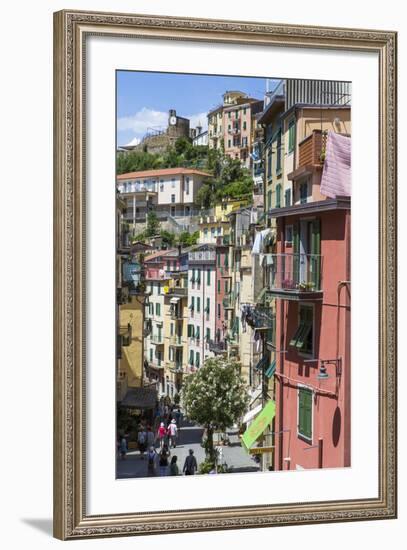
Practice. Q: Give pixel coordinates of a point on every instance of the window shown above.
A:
(191, 357)
(190, 331)
(287, 197)
(269, 200)
(269, 153)
(305, 413)
(151, 355)
(161, 185)
(226, 287)
(208, 303)
(172, 198)
(289, 235)
(208, 334)
(198, 304)
(206, 232)
(208, 277)
(197, 359)
(171, 354)
(218, 285)
(303, 337)
(218, 311)
(236, 113)
(173, 183)
(244, 126)
(192, 306)
(226, 262)
(244, 110)
(197, 333)
(219, 230)
(218, 256)
(278, 161)
(303, 192)
(172, 329)
(187, 186)
(229, 143)
(158, 309)
(198, 276)
(229, 114)
(291, 136)
(278, 196)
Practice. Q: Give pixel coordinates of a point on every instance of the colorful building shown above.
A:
(169, 192)
(214, 222)
(202, 303)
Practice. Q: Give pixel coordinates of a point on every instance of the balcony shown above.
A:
(201, 257)
(178, 291)
(223, 240)
(295, 276)
(311, 153)
(229, 301)
(217, 347)
(176, 367)
(125, 335)
(225, 272)
(176, 341)
(157, 339)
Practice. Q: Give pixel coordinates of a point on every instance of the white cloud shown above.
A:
(146, 119)
(134, 141)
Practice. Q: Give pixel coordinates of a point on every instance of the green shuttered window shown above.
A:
(305, 413)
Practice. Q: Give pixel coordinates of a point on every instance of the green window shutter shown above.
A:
(197, 359)
(218, 259)
(157, 309)
(296, 251)
(291, 135)
(198, 276)
(198, 304)
(208, 277)
(208, 334)
(226, 262)
(218, 285)
(278, 196)
(189, 331)
(191, 357)
(315, 265)
(305, 413)
(197, 333)
(151, 354)
(269, 200)
(208, 305)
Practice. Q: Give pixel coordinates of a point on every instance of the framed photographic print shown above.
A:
(225, 275)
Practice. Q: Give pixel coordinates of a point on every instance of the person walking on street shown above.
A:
(190, 464)
(177, 416)
(161, 434)
(151, 462)
(150, 437)
(123, 448)
(163, 461)
(174, 466)
(142, 441)
(172, 433)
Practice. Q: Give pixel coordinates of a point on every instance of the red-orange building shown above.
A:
(309, 277)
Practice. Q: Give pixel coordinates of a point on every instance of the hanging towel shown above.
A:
(258, 246)
(336, 175)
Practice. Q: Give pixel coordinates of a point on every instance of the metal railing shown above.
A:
(294, 272)
(217, 347)
(157, 339)
(176, 341)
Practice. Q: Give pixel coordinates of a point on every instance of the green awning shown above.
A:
(262, 363)
(259, 424)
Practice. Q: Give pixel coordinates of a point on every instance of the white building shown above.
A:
(201, 303)
(200, 139)
(168, 192)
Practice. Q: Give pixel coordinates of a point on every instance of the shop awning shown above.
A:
(174, 300)
(251, 414)
(140, 398)
(259, 424)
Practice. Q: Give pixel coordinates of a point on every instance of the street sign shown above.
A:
(261, 450)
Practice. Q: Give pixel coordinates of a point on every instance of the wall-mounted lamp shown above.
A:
(323, 373)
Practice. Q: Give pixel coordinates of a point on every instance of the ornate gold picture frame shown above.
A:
(71, 520)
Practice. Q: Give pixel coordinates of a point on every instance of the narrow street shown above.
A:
(190, 437)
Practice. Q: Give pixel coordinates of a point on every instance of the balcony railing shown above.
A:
(229, 301)
(176, 341)
(202, 256)
(157, 339)
(312, 149)
(296, 274)
(217, 347)
(178, 291)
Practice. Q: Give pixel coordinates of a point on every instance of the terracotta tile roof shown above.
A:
(162, 172)
(159, 253)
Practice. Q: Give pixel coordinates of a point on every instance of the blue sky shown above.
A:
(143, 99)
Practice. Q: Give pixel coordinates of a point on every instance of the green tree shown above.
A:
(205, 196)
(215, 397)
(153, 225)
(168, 238)
(188, 239)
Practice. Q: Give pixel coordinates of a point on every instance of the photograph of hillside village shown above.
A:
(233, 248)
